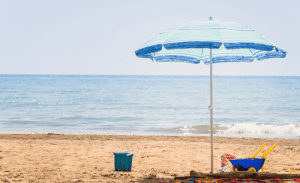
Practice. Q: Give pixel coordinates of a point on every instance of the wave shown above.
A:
(260, 129)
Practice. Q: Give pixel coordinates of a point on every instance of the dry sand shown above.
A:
(89, 158)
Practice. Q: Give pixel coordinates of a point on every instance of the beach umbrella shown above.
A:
(212, 42)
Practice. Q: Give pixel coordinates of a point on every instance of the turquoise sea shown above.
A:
(244, 106)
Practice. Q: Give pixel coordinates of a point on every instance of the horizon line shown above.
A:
(151, 75)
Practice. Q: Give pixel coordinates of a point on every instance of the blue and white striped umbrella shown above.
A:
(230, 41)
(211, 42)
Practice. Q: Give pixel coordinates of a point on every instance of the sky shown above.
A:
(100, 37)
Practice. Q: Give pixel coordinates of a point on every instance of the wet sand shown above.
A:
(90, 158)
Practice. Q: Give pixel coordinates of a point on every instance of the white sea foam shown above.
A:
(185, 128)
(261, 129)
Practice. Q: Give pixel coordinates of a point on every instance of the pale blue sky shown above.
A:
(100, 37)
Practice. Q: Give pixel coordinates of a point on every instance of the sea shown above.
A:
(243, 106)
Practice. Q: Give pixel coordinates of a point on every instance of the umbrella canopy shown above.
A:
(188, 42)
(211, 42)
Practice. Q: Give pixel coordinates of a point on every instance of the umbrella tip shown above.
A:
(210, 18)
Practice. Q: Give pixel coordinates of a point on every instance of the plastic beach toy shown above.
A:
(251, 164)
(123, 160)
(248, 164)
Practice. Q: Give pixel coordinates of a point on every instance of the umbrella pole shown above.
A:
(211, 114)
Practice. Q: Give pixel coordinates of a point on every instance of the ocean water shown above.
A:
(244, 106)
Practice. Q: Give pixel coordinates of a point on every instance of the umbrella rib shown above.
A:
(202, 55)
(153, 57)
(252, 54)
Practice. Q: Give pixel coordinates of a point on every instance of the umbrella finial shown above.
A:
(210, 18)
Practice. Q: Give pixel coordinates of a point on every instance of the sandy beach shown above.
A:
(90, 158)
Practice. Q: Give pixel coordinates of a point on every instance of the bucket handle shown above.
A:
(129, 153)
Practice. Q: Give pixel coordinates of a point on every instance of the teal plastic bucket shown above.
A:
(123, 160)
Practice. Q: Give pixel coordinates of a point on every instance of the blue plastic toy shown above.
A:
(248, 164)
